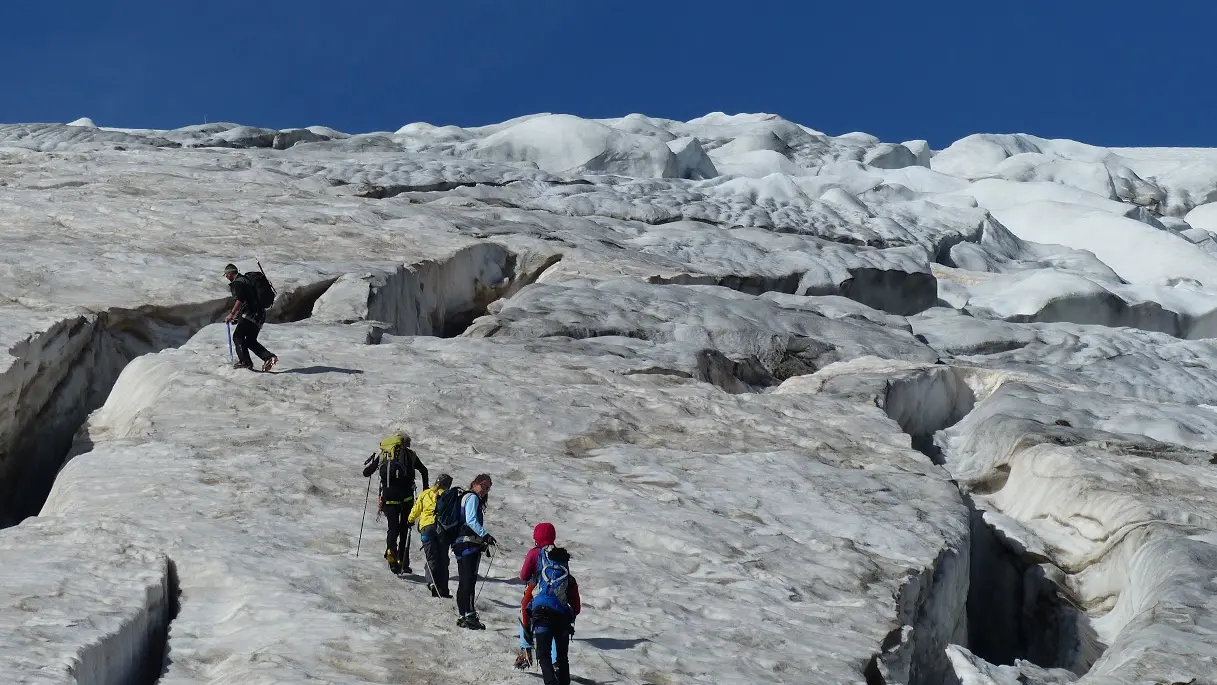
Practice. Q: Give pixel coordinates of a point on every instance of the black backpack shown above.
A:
(449, 514)
(262, 287)
(396, 465)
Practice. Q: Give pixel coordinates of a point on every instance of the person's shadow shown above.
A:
(507, 581)
(603, 643)
(310, 370)
(610, 643)
(578, 679)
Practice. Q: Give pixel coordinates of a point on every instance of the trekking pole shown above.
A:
(409, 531)
(365, 515)
(410, 528)
(229, 327)
(488, 569)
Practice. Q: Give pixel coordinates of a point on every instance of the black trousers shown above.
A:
(437, 560)
(398, 528)
(245, 339)
(467, 568)
(559, 636)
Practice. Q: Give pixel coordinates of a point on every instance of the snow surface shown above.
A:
(805, 407)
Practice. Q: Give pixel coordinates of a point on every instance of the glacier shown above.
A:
(805, 408)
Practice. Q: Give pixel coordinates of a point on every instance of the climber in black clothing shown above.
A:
(249, 314)
(397, 464)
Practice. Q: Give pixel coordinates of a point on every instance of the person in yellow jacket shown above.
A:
(433, 545)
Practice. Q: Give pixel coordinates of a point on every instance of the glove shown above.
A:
(489, 540)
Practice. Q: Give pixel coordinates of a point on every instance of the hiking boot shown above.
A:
(243, 365)
(406, 569)
(431, 587)
(462, 621)
(266, 366)
(524, 659)
(472, 622)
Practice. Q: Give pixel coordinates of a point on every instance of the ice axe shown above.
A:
(272, 286)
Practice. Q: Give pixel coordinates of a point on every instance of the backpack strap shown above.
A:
(546, 563)
(387, 465)
(462, 526)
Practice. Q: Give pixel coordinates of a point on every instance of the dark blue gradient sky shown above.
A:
(1109, 73)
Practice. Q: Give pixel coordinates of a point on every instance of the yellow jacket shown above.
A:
(424, 507)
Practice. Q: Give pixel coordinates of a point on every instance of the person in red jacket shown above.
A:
(544, 536)
(552, 612)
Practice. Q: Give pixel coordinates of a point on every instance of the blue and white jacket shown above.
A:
(473, 528)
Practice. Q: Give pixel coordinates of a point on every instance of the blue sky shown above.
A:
(1110, 73)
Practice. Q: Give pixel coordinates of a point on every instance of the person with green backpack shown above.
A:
(396, 463)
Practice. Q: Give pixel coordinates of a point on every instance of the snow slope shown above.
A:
(806, 408)
(258, 522)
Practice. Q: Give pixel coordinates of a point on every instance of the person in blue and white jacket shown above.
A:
(468, 548)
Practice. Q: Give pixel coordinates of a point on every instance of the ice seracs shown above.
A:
(804, 406)
(694, 163)
(563, 143)
(1203, 217)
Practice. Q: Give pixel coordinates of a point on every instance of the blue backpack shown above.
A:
(552, 583)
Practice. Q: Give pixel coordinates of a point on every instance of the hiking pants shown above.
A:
(437, 560)
(396, 539)
(525, 644)
(555, 671)
(467, 568)
(245, 339)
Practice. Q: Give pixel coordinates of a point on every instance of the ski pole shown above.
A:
(229, 327)
(365, 515)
